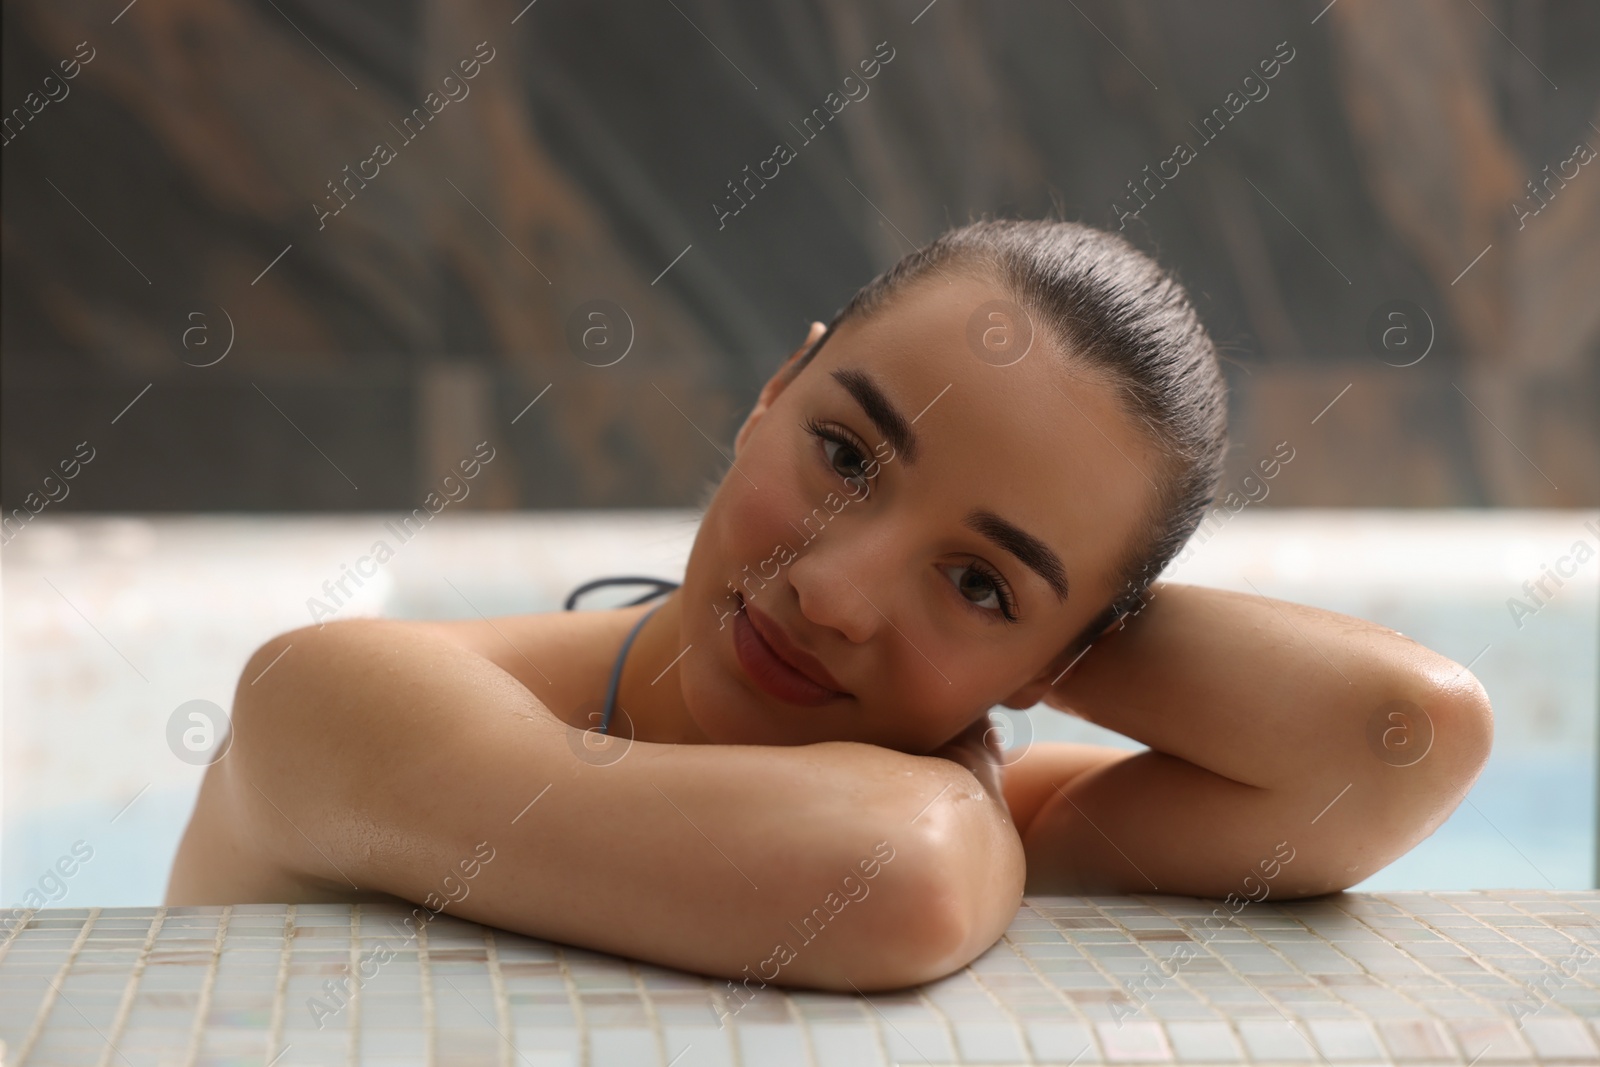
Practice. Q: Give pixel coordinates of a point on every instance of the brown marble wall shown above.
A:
(211, 180)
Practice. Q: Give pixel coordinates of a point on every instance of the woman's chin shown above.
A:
(727, 715)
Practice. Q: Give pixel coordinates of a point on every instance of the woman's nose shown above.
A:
(843, 580)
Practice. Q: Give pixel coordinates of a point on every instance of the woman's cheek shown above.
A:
(761, 520)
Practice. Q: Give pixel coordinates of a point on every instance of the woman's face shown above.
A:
(917, 528)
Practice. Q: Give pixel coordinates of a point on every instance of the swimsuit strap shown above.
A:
(661, 586)
(616, 670)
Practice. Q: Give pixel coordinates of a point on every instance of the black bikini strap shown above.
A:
(616, 671)
(662, 586)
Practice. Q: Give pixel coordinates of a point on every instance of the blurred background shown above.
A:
(272, 259)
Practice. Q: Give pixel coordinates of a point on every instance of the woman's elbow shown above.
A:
(1458, 724)
(1425, 751)
(923, 930)
(960, 896)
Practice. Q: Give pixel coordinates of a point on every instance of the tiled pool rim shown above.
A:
(1482, 977)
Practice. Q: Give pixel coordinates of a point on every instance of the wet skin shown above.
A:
(835, 696)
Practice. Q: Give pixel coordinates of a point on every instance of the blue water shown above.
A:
(131, 859)
(1527, 823)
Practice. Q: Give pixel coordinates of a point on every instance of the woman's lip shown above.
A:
(770, 670)
(802, 661)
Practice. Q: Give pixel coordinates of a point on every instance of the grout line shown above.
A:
(866, 1008)
(802, 1025)
(197, 1030)
(1446, 1003)
(353, 1053)
(125, 1007)
(653, 1016)
(903, 1036)
(579, 1019)
(1073, 1009)
(1094, 959)
(1447, 934)
(1005, 1009)
(502, 1001)
(281, 989)
(54, 991)
(430, 1009)
(1363, 1010)
(1198, 989)
(19, 922)
(1300, 1025)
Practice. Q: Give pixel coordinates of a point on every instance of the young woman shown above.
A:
(953, 496)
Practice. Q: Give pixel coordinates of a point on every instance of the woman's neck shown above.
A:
(650, 694)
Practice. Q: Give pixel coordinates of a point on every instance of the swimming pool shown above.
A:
(111, 623)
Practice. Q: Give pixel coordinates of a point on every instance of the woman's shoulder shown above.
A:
(562, 657)
(361, 744)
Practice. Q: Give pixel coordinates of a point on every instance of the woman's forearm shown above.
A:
(1263, 691)
(961, 863)
(1274, 730)
(378, 757)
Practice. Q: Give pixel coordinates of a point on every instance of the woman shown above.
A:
(937, 505)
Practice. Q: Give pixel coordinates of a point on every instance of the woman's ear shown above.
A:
(775, 385)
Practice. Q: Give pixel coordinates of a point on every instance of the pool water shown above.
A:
(112, 623)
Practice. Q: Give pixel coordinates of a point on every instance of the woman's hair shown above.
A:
(1114, 310)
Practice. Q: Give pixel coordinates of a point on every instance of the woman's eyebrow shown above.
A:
(884, 415)
(1032, 552)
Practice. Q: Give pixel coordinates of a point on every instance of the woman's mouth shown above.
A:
(756, 642)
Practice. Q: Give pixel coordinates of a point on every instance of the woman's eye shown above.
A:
(842, 455)
(844, 459)
(982, 589)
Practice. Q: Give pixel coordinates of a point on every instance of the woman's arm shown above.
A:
(990, 859)
(378, 757)
(1275, 730)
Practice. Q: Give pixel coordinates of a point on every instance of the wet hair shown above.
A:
(1115, 311)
